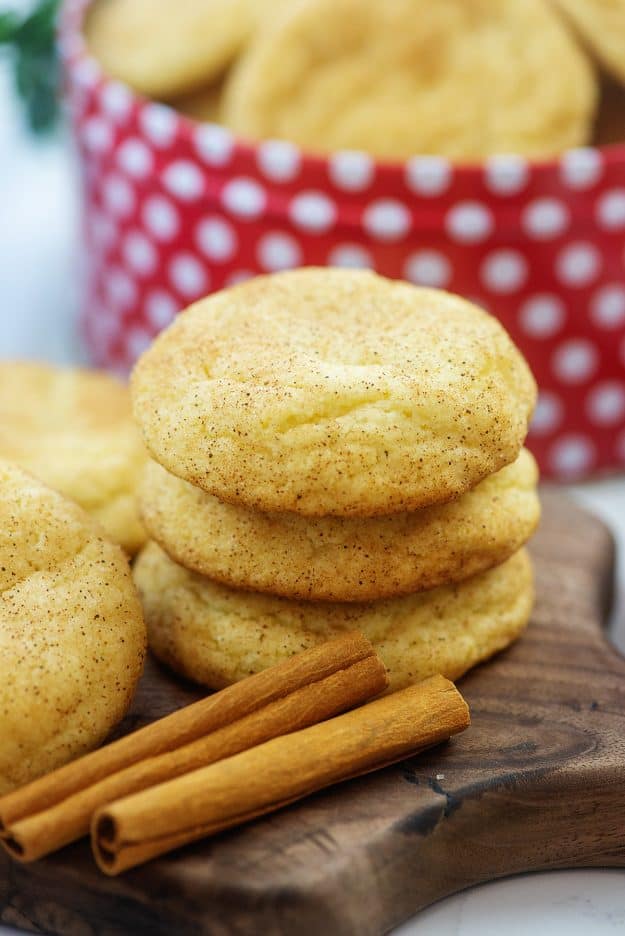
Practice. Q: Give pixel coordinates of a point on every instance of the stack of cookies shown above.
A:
(334, 451)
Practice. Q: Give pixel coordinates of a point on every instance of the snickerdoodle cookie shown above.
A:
(163, 49)
(333, 392)
(72, 636)
(217, 635)
(461, 78)
(74, 430)
(342, 559)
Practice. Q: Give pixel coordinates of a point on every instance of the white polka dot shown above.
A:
(134, 157)
(351, 170)
(504, 271)
(139, 253)
(278, 160)
(506, 174)
(611, 210)
(214, 144)
(428, 175)
(103, 230)
(571, 456)
(545, 218)
(103, 327)
(116, 100)
(277, 251)
(547, 415)
(575, 361)
(244, 198)
(78, 101)
(160, 218)
(428, 268)
(469, 222)
(607, 307)
(606, 403)
(312, 211)
(578, 264)
(97, 135)
(387, 220)
(159, 123)
(239, 276)
(351, 256)
(542, 316)
(161, 308)
(120, 288)
(137, 342)
(216, 238)
(581, 168)
(118, 195)
(188, 276)
(183, 179)
(86, 73)
(92, 172)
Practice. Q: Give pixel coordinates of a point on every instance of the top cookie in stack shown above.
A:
(333, 393)
(329, 435)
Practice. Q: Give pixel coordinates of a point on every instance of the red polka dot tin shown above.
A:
(174, 209)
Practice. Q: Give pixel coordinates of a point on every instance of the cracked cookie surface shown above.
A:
(74, 429)
(72, 637)
(339, 558)
(333, 392)
(217, 635)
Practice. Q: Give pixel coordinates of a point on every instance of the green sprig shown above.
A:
(31, 43)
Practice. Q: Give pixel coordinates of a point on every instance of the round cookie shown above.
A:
(342, 559)
(601, 26)
(72, 637)
(457, 78)
(333, 392)
(74, 430)
(216, 635)
(163, 49)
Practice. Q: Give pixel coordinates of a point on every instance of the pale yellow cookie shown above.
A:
(337, 558)
(601, 26)
(333, 392)
(460, 78)
(164, 48)
(216, 635)
(72, 637)
(74, 429)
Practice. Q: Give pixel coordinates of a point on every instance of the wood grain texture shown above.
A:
(537, 782)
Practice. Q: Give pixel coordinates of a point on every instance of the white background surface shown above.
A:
(38, 241)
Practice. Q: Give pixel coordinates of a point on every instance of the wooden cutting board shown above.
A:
(537, 782)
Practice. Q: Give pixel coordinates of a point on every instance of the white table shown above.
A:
(38, 212)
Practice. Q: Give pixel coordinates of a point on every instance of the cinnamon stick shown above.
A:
(136, 828)
(314, 685)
